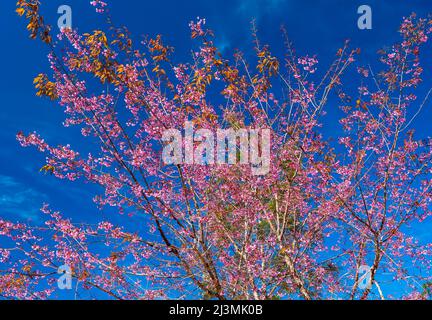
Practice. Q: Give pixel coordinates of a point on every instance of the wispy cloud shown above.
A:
(257, 8)
(19, 200)
(222, 44)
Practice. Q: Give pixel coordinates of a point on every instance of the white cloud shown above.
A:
(17, 199)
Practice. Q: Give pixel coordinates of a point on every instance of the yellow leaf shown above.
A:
(20, 11)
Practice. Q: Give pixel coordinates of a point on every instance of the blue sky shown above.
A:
(315, 26)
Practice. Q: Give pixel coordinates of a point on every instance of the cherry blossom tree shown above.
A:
(302, 231)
